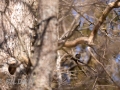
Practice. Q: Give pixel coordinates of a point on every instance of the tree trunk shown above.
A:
(45, 47)
(16, 17)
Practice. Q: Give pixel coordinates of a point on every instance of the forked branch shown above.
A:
(90, 40)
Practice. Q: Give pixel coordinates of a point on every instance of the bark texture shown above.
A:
(46, 44)
(15, 36)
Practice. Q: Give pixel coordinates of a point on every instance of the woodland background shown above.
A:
(59, 45)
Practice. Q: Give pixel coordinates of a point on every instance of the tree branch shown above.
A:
(89, 40)
(103, 18)
(77, 41)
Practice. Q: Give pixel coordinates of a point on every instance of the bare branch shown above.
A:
(71, 29)
(81, 40)
(103, 18)
(102, 67)
(89, 41)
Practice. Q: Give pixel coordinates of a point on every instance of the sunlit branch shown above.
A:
(90, 40)
(103, 18)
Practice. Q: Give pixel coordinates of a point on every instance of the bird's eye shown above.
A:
(78, 56)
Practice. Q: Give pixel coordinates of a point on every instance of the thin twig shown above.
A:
(102, 67)
(94, 83)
